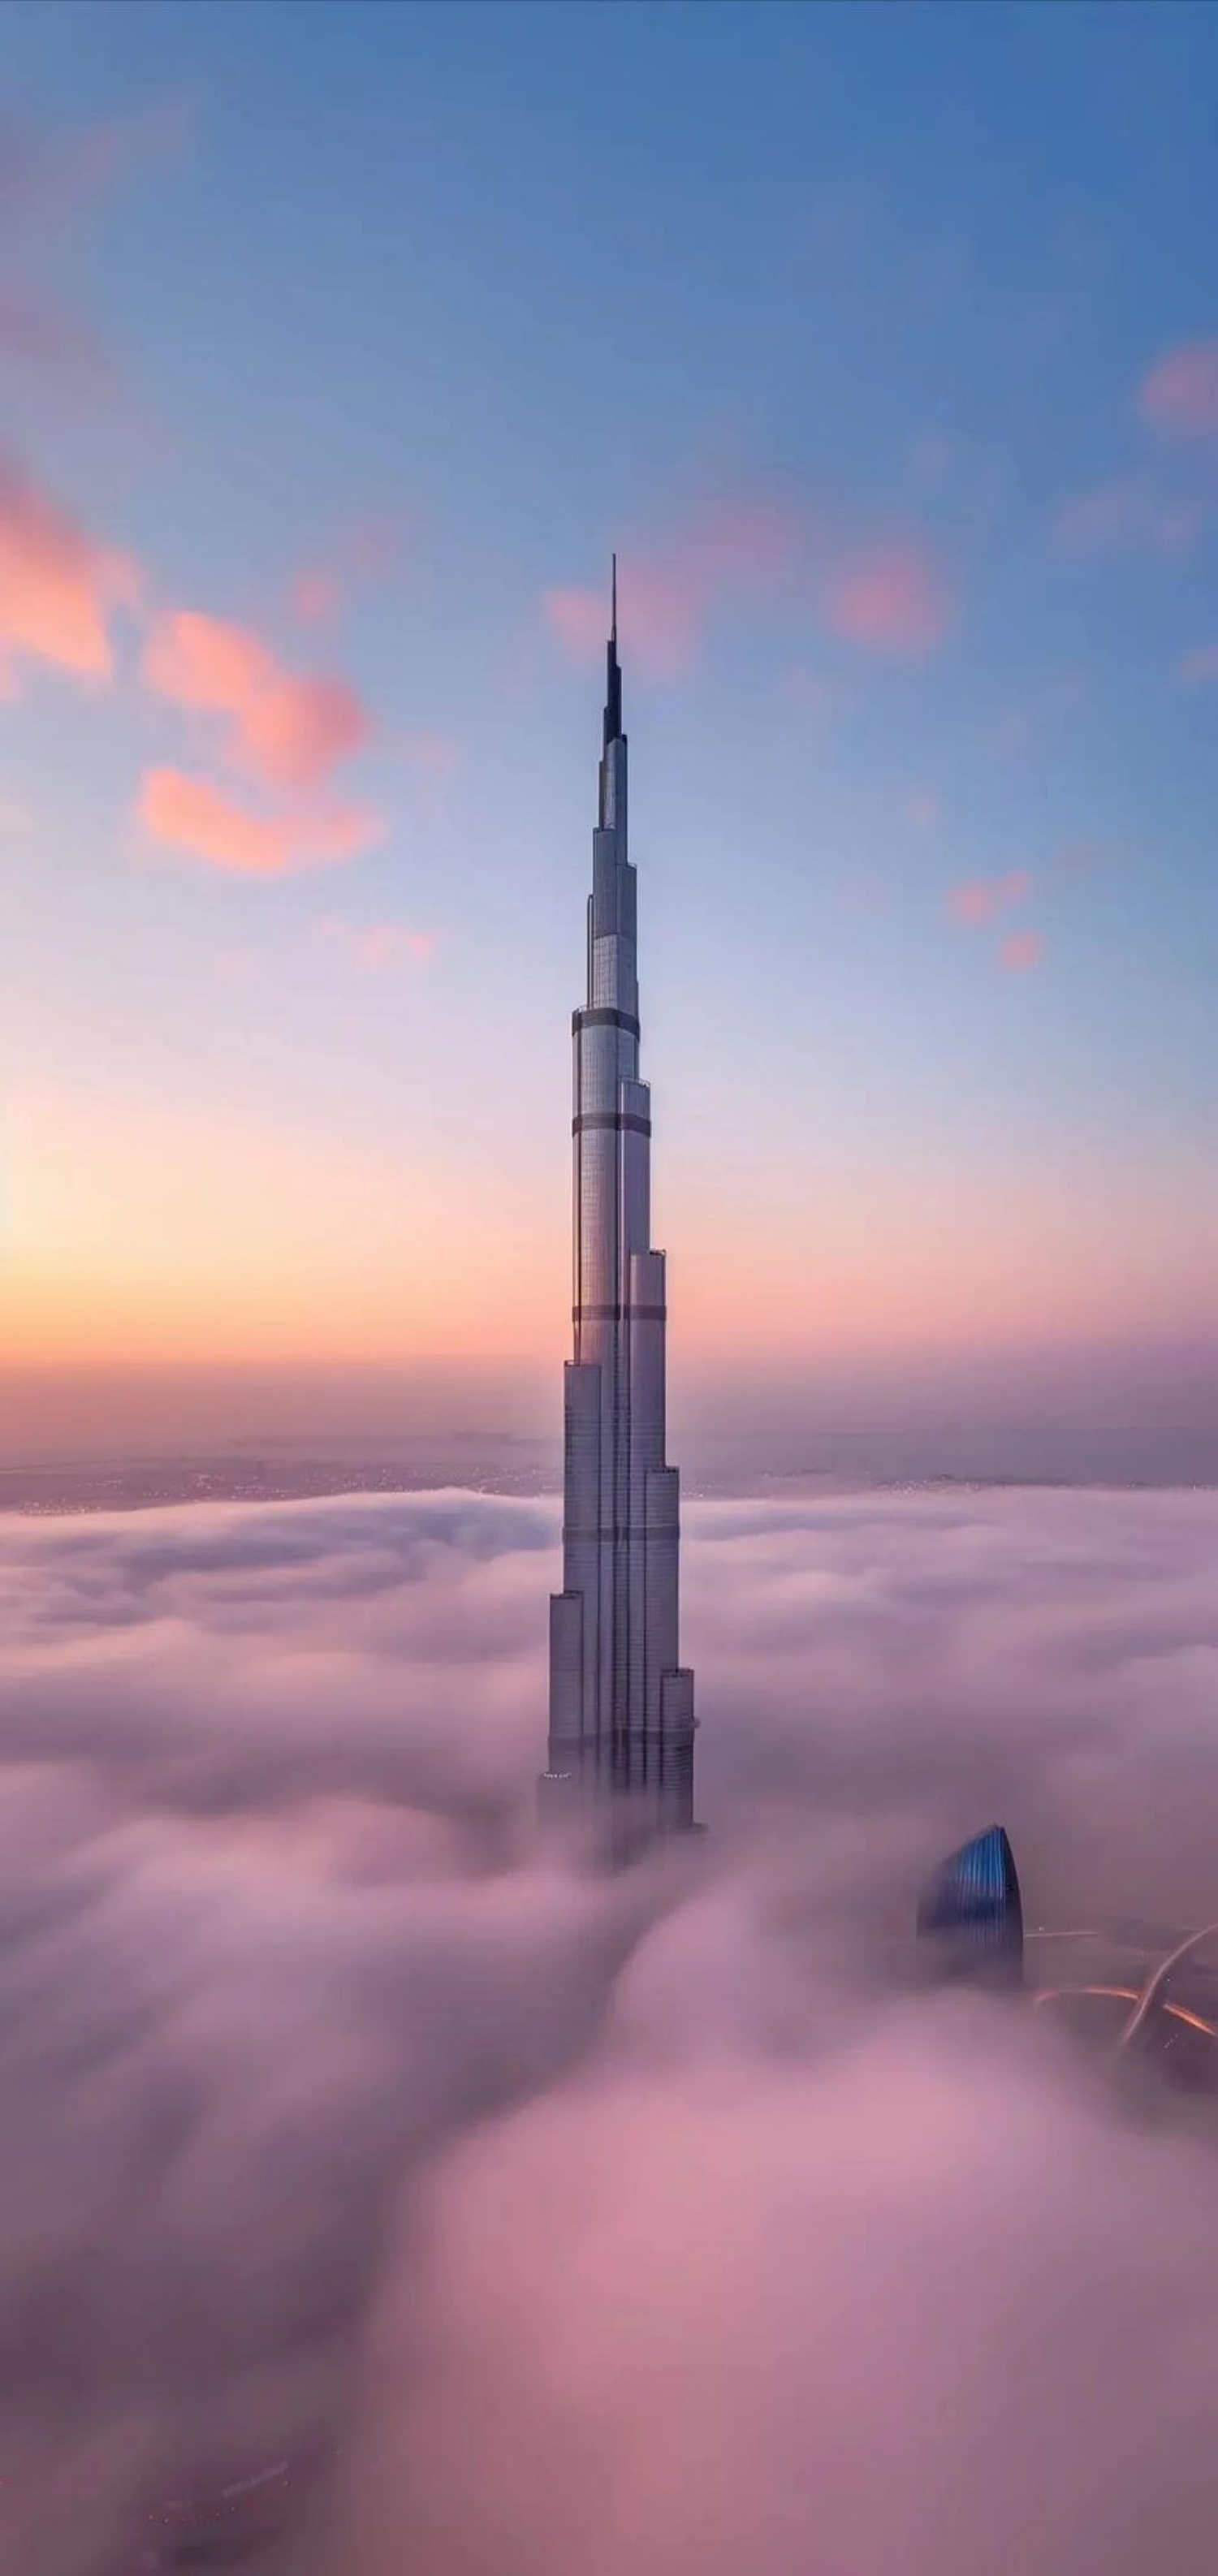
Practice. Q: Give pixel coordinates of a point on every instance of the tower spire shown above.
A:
(613, 676)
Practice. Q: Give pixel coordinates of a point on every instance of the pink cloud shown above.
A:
(1180, 393)
(890, 597)
(981, 897)
(1200, 665)
(578, 619)
(58, 585)
(288, 730)
(366, 553)
(192, 814)
(381, 944)
(1023, 949)
(200, 662)
(315, 596)
(1127, 513)
(298, 731)
(669, 595)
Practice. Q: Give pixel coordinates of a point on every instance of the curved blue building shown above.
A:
(972, 1913)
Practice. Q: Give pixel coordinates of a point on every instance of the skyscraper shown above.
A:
(972, 1913)
(621, 1749)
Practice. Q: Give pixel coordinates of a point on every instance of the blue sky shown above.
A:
(516, 285)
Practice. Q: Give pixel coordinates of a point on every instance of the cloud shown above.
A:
(45, 181)
(1023, 949)
(286, 730)
(176, 2301)
(1128, 513)
(295, 733)
(890, 598)
(885, 595)
(339, 2124)
(372, 947)
(670, 595)
(748, 2256)
(59, 587)
(1199, 665)
(316, 596)
(192, 814)
(979, 898)
(579, 620)
(365, 554)
(1180, 391)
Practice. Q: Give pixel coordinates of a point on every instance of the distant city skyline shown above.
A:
(1139, 1417)
(329, 381)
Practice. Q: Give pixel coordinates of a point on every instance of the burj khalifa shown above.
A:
(621, 1747)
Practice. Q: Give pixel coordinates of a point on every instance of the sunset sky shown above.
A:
(338, 347)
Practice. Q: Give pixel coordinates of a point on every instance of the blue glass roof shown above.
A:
(973, 1904)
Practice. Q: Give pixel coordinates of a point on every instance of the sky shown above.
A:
(338, 348)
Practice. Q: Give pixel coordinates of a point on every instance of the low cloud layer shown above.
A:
(594, 2223)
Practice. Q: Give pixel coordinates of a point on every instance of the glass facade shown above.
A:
(621, 1709)
(971, 1911)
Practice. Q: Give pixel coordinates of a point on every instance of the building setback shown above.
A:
(621, 1748)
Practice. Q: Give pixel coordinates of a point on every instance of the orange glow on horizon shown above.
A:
(137, 1235)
